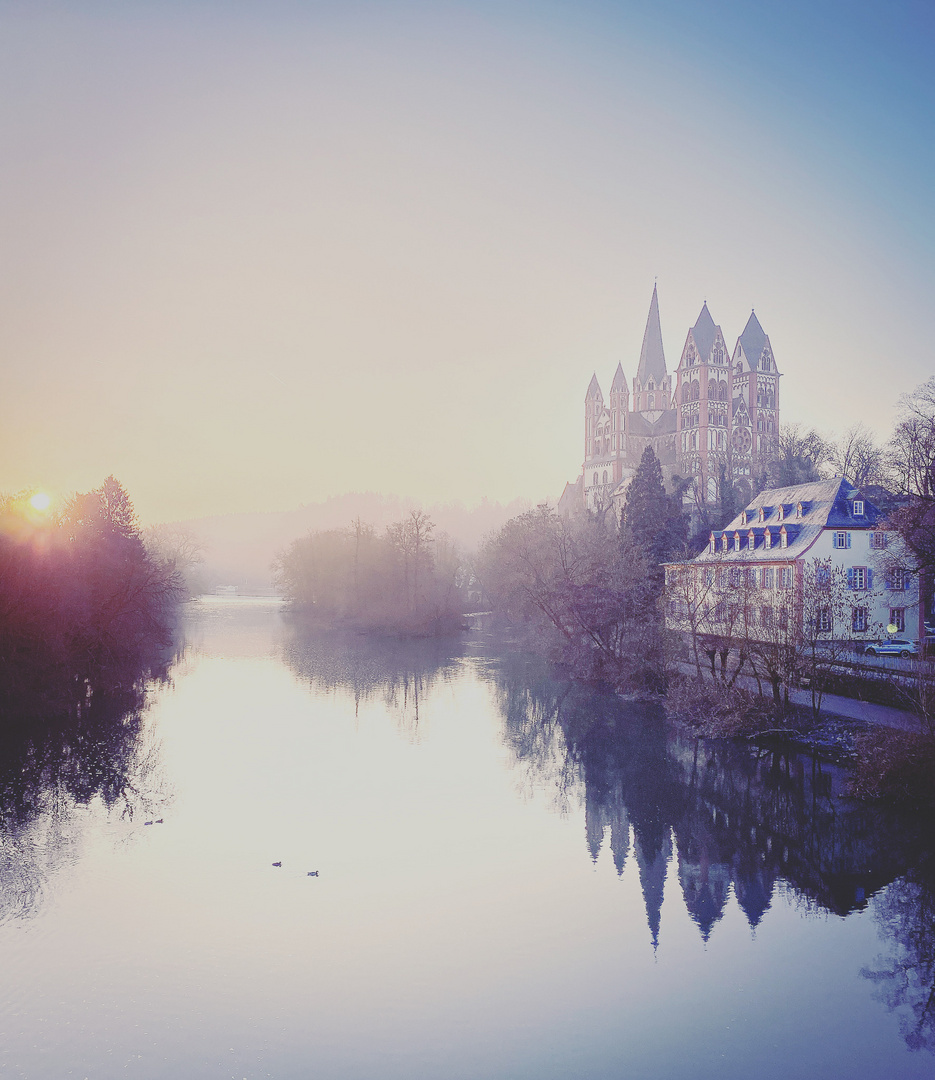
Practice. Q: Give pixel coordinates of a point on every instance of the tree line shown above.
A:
(409, 579)
(86, 609)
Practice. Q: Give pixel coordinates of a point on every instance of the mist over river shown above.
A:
(516, 877)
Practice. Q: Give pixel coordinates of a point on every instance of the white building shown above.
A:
(756, 571)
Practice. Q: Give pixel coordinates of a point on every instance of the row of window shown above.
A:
(769, 616)
(765, 577)
(736, 543)
(859, 578)
(783, 510)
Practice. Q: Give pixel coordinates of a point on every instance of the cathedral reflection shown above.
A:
(737, 819)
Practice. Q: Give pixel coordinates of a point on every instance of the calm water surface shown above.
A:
(517, 878)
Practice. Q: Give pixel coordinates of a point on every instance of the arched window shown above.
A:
(652, 400)
(605, 476)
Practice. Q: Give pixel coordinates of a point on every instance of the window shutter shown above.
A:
(888, 582)
(850, 577)
(847, 541)
(869, 579)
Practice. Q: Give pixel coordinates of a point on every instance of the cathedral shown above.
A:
(723, 410)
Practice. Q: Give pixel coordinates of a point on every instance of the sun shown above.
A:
(40, 501)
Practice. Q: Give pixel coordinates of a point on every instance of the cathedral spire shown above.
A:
(704, 332)
(753, 340)
(652, 356)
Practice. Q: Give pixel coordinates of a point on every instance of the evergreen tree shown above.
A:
(652, 522)
(727, 509)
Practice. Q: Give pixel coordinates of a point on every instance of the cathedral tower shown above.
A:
(703, 396)
(756, 388)
(723, 414)
(652, 387)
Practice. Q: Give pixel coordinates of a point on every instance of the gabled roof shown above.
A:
(704, 332)
(594, 390)
(619, 385)
(826, 504)
(753, 341)
(652, 356)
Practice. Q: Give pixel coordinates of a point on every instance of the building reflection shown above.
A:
(726, 818)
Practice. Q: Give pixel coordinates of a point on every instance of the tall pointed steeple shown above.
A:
(704, 332)
(652, 355)
(753, 341)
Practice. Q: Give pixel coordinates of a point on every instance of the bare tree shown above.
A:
(912, 468)
(799, 456)
(857, 456)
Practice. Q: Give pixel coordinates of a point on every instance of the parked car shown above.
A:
(892, 647)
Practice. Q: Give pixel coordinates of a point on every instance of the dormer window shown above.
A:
(782, 513)
(798, 510)
(762, 515)
(767, 539)
(783, 539)
(713, 546)
(751, 540)
(724, 542)
(743, 517)
(858, 508)
(736, 541)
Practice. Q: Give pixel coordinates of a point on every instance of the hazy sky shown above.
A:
(256, 254)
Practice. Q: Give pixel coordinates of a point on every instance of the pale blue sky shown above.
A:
(257, 254)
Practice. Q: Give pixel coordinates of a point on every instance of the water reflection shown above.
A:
(742, 819)
(400, 672)
(905, 974)
(65, 748)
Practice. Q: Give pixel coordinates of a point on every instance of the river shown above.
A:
(486, 872)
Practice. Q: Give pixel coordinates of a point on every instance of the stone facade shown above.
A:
(723, 410)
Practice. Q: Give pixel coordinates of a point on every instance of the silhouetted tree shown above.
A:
(652, 523)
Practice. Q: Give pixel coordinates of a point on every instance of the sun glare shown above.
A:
(40, 501)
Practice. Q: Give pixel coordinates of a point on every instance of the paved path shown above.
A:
(835, 705)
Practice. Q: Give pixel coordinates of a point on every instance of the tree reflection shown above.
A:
(728, 818)
(399, 671)
(905, 978)
(91, 745)
(740, 819)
